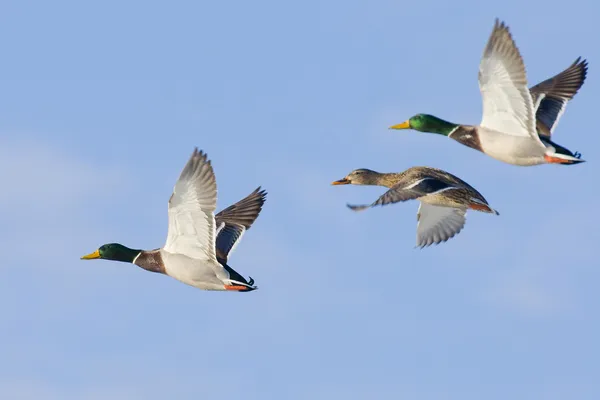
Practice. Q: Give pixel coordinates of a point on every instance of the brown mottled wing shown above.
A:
(463, 188)
(236, 219)
(552, 95)
(404, 192)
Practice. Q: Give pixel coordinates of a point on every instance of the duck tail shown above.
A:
(483, 207)
(564, 159)
(238, 282)
(557, 154)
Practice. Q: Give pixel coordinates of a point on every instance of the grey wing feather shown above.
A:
(191, 221)
(438, 224)
(237, 218)
(551, 96)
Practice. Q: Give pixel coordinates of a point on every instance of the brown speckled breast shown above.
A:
(468, 136)
(151, 261)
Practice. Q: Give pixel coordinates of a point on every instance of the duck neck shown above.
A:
(439, 126)
(151, 261)
(388, 179)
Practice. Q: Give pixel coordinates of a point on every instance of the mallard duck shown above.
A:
(517, 122)
(444, 199)
(198, 242)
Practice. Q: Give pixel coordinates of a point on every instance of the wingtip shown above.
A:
(260, 191)
(499, 35)
(199, 154)
(424, 245)
(581, 61)
(354, 207)
(263, 194)
(500, 24)
(582, 65)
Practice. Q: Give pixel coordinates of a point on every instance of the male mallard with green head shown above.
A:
(517, 122)
(198, 242)
(444, 199)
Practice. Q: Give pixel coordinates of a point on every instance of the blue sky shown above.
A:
(102, 104)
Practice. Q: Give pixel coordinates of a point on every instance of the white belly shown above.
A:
(516, 150)
(196, 273)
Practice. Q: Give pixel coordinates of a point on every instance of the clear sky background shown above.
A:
(101, 105)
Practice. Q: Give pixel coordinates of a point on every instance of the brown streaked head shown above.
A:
(361, 176)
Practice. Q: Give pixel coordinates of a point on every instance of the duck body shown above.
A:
(198, 242)
(444, 199)
(510, 149)
(197, 273)
(201, 274)
(517, 122)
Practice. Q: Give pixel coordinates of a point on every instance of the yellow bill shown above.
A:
(91, 256)
(404, 125)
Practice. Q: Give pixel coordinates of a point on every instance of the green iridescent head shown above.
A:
(115, 252)
(427, 123)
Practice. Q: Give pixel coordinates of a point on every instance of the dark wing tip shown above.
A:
(263, 193)
(584, 69)
(199, 157)
(260, 195)
(501, 40)
(581, 66)
(500, 25)
(354, 207)
(579, 61)
(195, 162)
(198, 153)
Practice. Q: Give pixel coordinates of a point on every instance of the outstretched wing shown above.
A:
(551, 96)
(507, 104)
(191, 210)
(420, 188)
(438, 224)
(235, 220)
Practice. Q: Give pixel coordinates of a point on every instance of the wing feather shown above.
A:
(552, 95)
(191, 210)
(438, 224)
(507, 103)
(237, 218)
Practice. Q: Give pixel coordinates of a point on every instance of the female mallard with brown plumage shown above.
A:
(444, 199)
(517, 122)
(198, 242)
